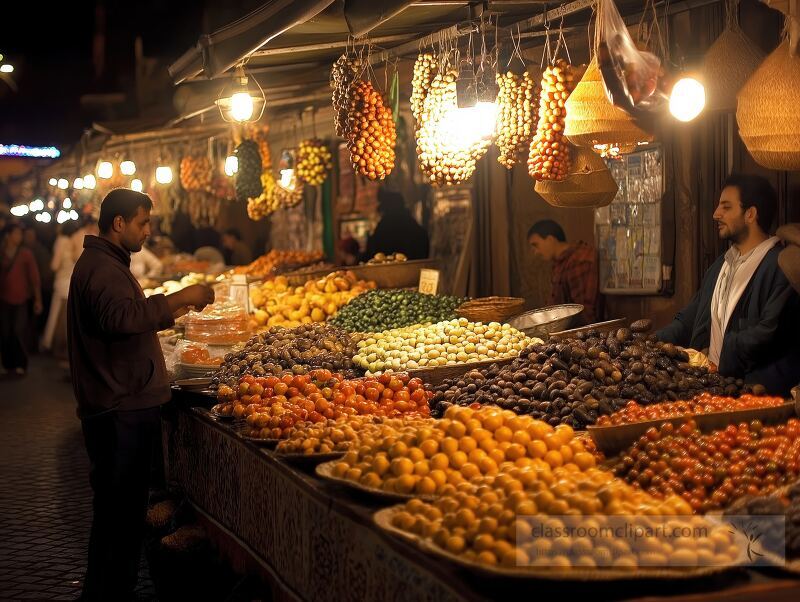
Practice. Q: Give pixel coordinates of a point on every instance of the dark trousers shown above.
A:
(13, 334)
(120, 446)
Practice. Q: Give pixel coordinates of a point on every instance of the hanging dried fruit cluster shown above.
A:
(371, 132)
(267, 202)
(313, 162)
(248, 176)
(515, 109)
(549, 156)
(424, 72)
(344, 72)
(445, 155)
(258, 134)
(196, 173)
(291, 196)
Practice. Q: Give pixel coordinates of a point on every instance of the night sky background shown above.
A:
(51, 48)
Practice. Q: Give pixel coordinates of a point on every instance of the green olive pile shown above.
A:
(298, 349)
(573, 381)
(384, 309)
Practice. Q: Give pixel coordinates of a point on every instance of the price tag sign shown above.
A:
(240, 291)
(428, 281)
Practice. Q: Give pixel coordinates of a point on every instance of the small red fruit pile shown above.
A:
(712, 470)
(274, 405)
(705, 403)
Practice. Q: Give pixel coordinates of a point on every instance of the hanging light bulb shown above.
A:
(105, 170)
(19, 210)
(241, 101)
(67, 204)
(163, 174)
(127, 168)
(89, 181)
(62, 217)
(687, 99)
(77, 183)
(136, 184)
(53, 181)
(44, 217)
(63, 183)
(231, 165)
(36, 205)
(73, 215)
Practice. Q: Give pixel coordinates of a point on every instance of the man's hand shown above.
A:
(198, 296)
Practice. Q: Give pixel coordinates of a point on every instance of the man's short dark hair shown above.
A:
(756, 191)
(123, 202)
(234, 232)
(547, 227)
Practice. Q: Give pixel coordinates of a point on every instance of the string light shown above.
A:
(127, 168)
(231, 165)
(105, 170)
(163, 174)
(19, 210)
(36, 205)
(136, 184)
(53, 181)
(67, 204)
(89, 181)
(63, 183)
(77, 183)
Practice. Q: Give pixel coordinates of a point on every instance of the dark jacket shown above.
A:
(115, 356)
(398, 232)
(761, 343)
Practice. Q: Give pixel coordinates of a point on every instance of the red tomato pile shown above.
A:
(705, 403)
(273, 405)
(712, 470)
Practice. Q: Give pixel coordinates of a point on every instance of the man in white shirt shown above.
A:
(746, 314)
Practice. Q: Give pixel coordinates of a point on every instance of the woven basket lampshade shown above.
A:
(767, 113)
(592, 119)
(732, 58)
(589, 183)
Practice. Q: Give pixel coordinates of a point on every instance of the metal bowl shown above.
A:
(541, 322)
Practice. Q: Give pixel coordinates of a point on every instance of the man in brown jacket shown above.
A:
(120, 381)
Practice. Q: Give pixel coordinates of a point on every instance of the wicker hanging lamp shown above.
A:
(589, 183)
(769, 122)
(731, 59)
(592, 121)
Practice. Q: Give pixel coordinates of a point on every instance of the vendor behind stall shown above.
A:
(574, 276)
(746, 314)
(397, 231)
(234, 250)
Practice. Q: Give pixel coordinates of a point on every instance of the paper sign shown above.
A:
(428, 281)
(240, 291)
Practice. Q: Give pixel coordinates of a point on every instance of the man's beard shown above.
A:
(733, 234)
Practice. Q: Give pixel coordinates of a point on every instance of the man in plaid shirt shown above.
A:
(574, 275)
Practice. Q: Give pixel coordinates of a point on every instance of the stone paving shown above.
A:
(45, 498)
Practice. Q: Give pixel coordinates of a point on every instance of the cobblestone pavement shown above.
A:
(45, 498)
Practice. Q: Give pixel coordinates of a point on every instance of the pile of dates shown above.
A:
(573, 381)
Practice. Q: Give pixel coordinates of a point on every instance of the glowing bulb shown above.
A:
(53, 182)
(51, 204)
(241, 106)
(77, 183)
(44, 218)
(163, 174)
(136, 184)
(461, 128)
(105, 170)
(73, 215)
(67, 204)
(231, 165)
(687, 99)
(89, 181)
(286, 178)
(63, 183)
(19, 210)
(6, 68)
(62, 216)
(127, 168)
(36, 205)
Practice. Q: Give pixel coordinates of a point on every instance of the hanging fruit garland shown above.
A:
(515, 108)
(344, 72)
(196, 173)
(372, 134)
(265, 203)
(424, 72)
(314, 161)
(248, 176)
(549, 155)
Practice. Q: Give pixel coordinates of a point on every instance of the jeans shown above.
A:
(14, 330)
(120, 446)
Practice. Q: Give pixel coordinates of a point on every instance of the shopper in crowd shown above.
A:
(62, 264)
(145, 264)
(88, 227)
(574, 277)
(746, 314)
(43, 257)
(235, 251)
(120, 382)
(19, 285)
(397, 231)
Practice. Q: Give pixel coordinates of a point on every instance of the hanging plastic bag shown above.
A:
(630, 75)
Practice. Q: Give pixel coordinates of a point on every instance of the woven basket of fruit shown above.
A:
(589, 183)
(491, 309)
(732, 58)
